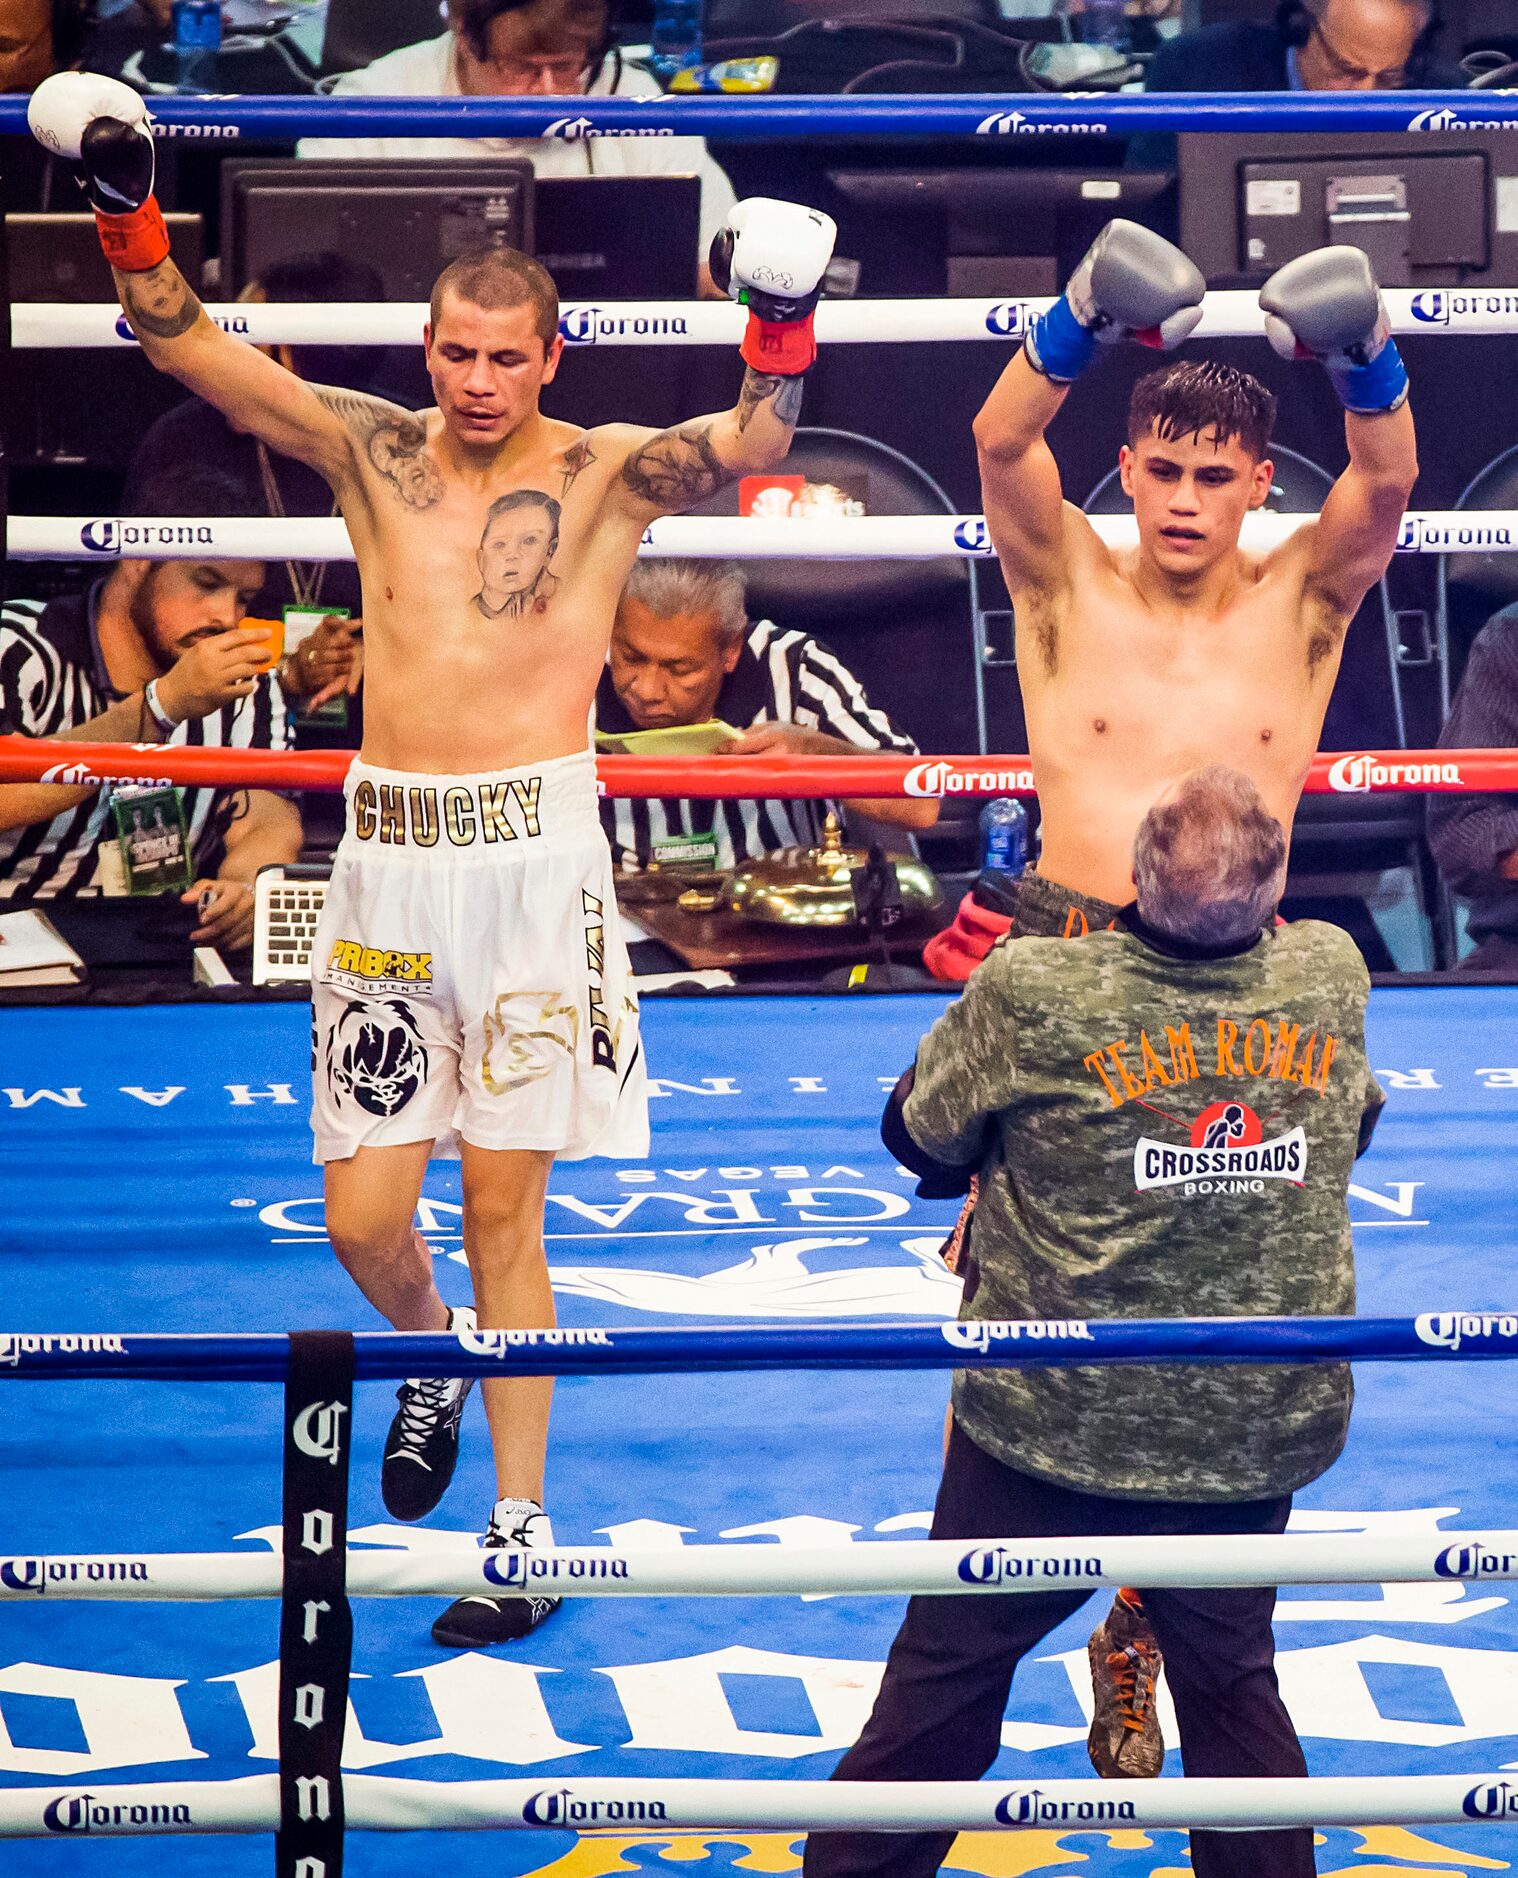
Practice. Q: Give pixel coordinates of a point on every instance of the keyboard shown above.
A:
(285, 912)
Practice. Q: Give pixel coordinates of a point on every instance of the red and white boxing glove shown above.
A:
(104, 127)
(771, 256)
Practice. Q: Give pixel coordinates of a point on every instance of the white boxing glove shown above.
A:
(64, 106)
(770, 256)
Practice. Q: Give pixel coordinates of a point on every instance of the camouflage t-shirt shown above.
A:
(1157, 1137)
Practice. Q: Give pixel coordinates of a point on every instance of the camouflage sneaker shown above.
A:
(1125, 1742)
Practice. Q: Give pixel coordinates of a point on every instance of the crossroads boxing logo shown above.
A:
(584, 325)
(1228, 1153)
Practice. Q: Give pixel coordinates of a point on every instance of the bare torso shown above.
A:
(1123, 698)
(485, 625)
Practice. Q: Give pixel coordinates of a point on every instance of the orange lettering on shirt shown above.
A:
(1330, 1050)
(1094, 1063)
(1130, 1084)
(1285, 1051)
(1072, 931)
(1258, 1030)
(1305, 1070)
(1154, 1069)
(1228, 1036)
(1182, 1057)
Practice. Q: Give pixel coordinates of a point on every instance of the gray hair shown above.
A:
(1209, 863)
(670, 589)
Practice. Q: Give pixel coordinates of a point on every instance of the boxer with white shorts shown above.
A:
(471, 986)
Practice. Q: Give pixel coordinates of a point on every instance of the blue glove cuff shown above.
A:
(1060, 346)
(1379, 386)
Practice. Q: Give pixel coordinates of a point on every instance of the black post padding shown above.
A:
(315, 1619)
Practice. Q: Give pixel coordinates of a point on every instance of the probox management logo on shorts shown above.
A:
(995, 1565)
(1356, 775)
(1228, 1145)
(1449, 1330)
(84, 1812)
(1019, 124)
(562, 1806)
(1493, 1799)
(940, 779)
(577, 129)
(584, 325)
(1031, 1806)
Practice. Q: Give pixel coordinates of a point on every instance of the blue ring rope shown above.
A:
(665, 1349)
(989, 114)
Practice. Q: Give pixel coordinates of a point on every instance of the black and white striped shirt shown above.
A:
(52, 678)
(780, 678)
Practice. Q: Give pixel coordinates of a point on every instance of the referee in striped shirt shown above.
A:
(683, 651)
(150, 653)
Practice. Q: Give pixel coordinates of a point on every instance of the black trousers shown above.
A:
(939, 1712)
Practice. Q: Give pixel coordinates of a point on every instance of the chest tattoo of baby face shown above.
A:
(515, 555)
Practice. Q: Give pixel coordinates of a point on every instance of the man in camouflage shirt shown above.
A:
(1163, 1120)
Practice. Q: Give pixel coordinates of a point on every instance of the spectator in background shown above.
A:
(149, 653)
(26, 44)
(1475, 838)
(1313, 45)
(683, 651)
(529, 48)
(330, 660)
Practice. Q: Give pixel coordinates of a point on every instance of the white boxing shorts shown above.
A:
(469, 978)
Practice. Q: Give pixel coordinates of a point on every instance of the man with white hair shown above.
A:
(1163, 1120)
(684, 652)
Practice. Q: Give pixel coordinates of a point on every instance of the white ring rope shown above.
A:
(379, 1803)
(1226, 314)
(883, 1567)
(832, 537)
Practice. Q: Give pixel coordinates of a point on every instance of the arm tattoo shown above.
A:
(393, 441)
(159, 303)
(576, 458)
(677, 469)
(781, 394)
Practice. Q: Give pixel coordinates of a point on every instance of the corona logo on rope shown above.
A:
(995, 1565)
(318, 1431)
(34, 1575)
(981, 1333)
(1018, 124)
(514, 1569)
(942, 779)
(1435, 307)
(561, 1807)
(1494, 1799)
(109, 535)
(577, 129)
(83, 1812)
(1447, 1330)
(1357, 775)
(972, 536)
(1007, 319)
(584, 325)
(74, 774)
(1417, 535)
(13, 1346)
(1031, 1806)
(498, 1342)
(1448, 118)
(1474, 1560)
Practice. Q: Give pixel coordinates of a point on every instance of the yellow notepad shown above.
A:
(676, 740)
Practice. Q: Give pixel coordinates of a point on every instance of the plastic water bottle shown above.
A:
(1105, 23)
(197, 41)
(676, 36)
(1004, 836)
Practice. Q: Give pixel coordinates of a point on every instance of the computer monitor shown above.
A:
(987, 231)
(58, 257)
(1438, 210)
(624, 237)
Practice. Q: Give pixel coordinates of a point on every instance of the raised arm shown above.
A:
(1326, 306)
(102, 125)
(1132, 284)
(770, 257)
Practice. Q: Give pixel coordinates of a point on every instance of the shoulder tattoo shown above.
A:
(677, 468)
(394, 443)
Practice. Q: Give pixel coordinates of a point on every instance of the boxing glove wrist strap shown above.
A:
(1380, 386)
(785, 348)
(134, 242)
(1058, 345)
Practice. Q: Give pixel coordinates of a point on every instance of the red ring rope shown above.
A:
(1377, 772)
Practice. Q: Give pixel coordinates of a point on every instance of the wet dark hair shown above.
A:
(1190, 398)
(501, 277)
